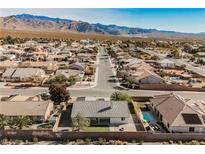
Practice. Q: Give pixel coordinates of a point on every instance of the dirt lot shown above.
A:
(77, 36)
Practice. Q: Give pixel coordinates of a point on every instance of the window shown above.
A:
(122, 119)
(191, 129)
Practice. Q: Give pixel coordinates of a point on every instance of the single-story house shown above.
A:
(35, 110)
(179, 114)
(40, 54)
(22, 74)
(102, 112)
(58, 58)
(83, 57)
(137, 65)
(166, 63)
(145, 76)
(200, 54)
(7, 64)
(46, 65)
(76, 66)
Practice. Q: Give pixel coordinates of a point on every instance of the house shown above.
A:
(39, 55)
(58, 58)
(76, 66)
(86, 57)
(200, 54)
(22, 74)
(46, 65)
(8, 64)
(102, 112)
(179, 114)
(166, 63)
(35, 110)
(145, 76)
(136, 64)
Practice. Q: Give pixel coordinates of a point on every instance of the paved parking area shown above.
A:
(130, 126)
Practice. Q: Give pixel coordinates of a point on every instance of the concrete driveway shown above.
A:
(129, 127)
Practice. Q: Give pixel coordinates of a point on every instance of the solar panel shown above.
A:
(191, 119)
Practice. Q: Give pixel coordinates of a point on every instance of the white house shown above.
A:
(166, 63)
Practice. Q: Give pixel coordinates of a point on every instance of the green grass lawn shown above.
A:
(96, 129)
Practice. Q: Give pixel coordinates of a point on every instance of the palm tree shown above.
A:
(4, 121)
(79, 122)
(21, 121)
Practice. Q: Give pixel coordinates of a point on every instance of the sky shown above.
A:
(180, 20)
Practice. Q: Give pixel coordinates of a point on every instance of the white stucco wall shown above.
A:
(167, 65)
(48, 111)
(186, 129)
(118, 121)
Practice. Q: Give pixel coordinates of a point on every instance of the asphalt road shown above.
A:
(106, 85)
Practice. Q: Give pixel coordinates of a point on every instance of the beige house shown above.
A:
(179, 114)
(136, 64)
(8, 64)
(145, 76)
(46, 65)
(35, 110)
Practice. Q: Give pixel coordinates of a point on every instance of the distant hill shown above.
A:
(44, 23)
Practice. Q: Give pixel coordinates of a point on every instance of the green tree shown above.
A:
(121, 74)
(58, 93)
(119, 96)
(79, 122)
(21, 122)
(162, 74)
(72, 80)
(176, 52)
(4, 121)
(61, 78)
(9, 40)
(130, 82)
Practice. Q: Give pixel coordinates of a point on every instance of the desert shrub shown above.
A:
(35, 139)
(141, 142)
(101, 141)
(88, 141)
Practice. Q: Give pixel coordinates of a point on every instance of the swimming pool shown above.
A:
(148, 117)
(175, 78)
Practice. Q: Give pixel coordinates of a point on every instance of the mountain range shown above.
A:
(44, 23)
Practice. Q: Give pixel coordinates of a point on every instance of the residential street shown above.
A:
(106, 85)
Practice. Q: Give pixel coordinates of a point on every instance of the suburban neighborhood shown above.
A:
(92, 86)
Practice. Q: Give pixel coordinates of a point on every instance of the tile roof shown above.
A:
(101, 109)
(23, 108)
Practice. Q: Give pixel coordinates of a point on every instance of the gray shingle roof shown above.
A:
(101, 109)
(9, 72)
(27, 72)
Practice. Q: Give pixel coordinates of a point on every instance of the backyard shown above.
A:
(97, 129)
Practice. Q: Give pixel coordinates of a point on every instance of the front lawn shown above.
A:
(96, 129)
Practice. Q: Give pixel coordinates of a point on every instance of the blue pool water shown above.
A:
(148, 117)
(175, 78)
